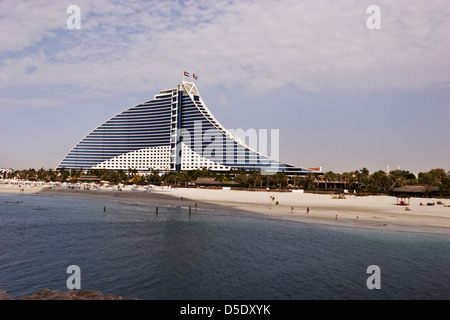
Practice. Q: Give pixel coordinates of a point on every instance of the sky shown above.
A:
(343, 96)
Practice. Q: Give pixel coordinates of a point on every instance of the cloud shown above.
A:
(222, 98)
(136, 46)
(29, 102)
(26, 23)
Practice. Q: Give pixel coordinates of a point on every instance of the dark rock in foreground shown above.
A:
(47, 294)
(5, 296)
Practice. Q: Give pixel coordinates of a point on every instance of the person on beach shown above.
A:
(292, 210)
(271, 203)
(307, 210)
(336, 217)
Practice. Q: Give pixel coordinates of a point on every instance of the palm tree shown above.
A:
(255, 176)
(280, 179)
(329, 176)
(309, 179)
(299, 181)
(364, 176)
(429, 179)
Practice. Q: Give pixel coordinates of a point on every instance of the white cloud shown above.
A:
(222, 98)
(25, 23)
(29, 102)
(136, 46)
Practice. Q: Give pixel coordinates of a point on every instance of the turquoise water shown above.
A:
(130, 251)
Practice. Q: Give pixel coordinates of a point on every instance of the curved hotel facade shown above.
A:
(175, 131)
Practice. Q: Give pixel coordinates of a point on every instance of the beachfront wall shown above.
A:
(175, 131)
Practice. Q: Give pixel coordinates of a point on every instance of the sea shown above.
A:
(130, 250)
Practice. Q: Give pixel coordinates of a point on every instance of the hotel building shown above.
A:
(175, 131)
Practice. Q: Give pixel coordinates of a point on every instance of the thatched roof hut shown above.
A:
(204, 182)
(415, 190)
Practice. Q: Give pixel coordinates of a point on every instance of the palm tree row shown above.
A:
(361, 181)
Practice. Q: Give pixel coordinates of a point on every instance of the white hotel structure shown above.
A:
(175, 131)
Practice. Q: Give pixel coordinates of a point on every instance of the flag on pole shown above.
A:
(194, 76)
(186, 74)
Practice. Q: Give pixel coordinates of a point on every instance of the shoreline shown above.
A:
(371, 212)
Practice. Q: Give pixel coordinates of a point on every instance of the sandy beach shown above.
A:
(380, 212)
(374, 212)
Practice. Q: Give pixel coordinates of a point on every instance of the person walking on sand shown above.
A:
(336, 217)
(307, 210)
(292, 209)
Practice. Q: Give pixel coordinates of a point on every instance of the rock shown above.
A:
(47, 294)
(5, 296)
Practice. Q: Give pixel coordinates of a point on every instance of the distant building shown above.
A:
(168, 134)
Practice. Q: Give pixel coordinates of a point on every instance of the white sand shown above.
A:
(379, 212)
(21, 189)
